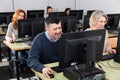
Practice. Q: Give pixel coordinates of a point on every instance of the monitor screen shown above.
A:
(37, 27)
(113, 21)
(58, 14)
(25, 27)
(73, 41)
(77, 13)
(86, 22)
(117, 55)
(68, 24)
(35, 13)
(89, 12)
(6, 17)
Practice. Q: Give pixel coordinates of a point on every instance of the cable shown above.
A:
(109, 66)
(100, 66)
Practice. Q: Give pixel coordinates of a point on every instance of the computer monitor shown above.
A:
(74, 44)
(6, 17)
(37, 27)
(35, 13)
(117, 55)
(3, 20)
(77, 13)
(86, 22)
(77, 51)
(25, 27)
(89, 12)
(113, 21)
(57, 14)
(68, 24)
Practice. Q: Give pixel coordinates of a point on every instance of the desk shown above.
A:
(111, 73)
(112, 35)
(58, 76)
(16, 47)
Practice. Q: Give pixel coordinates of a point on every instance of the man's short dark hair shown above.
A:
(51, 20)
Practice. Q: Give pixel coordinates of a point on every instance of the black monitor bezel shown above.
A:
(28, 31)
(7, 16)
(65, 36)
(68, 24)
(37, 27)
(112, 25)
(77, 13)
(36, 13)
(57, 14)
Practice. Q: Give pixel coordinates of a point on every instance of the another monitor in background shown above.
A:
(113, 21)
(89, 12)
(117, 55)
(6, 17)
(25, 27)
(3, 20)
(68, 24)
(78, 14)
(73, 40)
(58, 14)
(86, 22)
(35, 13)
(37, 27)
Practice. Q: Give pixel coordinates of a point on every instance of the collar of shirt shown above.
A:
(50, 38)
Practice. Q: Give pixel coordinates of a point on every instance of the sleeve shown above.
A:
(34, 56)
(9, 32)
(106, 44)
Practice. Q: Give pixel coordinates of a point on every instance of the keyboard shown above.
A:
(57, 69)
(107, 57)
(113, 31)
(18, 40)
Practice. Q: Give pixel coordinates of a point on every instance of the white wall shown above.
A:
(6, 6)
(30, 5)
(109, 6)
(60, 5)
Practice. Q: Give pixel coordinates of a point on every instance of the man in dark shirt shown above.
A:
(45, 47)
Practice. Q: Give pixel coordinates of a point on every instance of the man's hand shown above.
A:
(46, 71)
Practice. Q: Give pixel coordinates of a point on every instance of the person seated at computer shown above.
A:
(12, 31)
(97, 20)
(49, 9)
(45, 47)
(67, 11)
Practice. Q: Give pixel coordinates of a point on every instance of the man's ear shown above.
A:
(46, 28)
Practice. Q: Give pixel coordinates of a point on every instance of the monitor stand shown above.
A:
(81, 74)
(86, 71)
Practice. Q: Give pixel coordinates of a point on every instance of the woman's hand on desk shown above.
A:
(46, 71)
(111, 51)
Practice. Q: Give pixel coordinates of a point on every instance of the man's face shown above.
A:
(54, 30)
(101, 23)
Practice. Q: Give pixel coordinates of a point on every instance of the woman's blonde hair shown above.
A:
(14, 18)
(95, 16)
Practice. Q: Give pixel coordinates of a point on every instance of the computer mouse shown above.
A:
(12, 41)
(51, 75)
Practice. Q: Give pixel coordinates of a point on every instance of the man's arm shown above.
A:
(34, 56)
